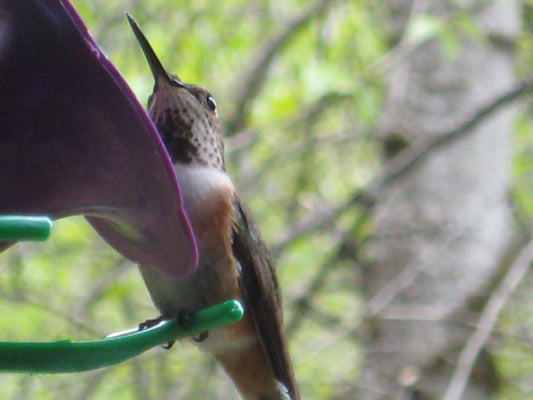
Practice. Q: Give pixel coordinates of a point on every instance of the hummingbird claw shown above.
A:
(183, 317)
(153, 322)
(201, 337)
(183, 320)
(168, 345)
(150, 322)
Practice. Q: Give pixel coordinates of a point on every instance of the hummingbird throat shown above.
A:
(189, 133)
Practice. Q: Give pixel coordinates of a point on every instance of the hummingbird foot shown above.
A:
(183, 320)
(168, 345)
(201, 337)
(150, 323)
(153, 322)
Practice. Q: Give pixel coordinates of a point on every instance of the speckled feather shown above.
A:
(189, 132)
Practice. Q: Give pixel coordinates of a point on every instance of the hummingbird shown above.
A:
(233, 259)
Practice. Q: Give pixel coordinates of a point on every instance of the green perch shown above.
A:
(65, 356)
(24, 227)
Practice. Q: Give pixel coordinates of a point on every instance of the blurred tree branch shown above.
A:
(487, 321)
(250, 81)
(347, 249)
(403, 163)
(366, 197)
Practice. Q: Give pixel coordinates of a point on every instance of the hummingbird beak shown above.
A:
(157, 68)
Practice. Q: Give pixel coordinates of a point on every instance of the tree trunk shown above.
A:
(442, 230)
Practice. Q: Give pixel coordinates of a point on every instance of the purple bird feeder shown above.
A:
(74, 140)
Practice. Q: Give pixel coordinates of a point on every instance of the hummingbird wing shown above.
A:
(262, 295)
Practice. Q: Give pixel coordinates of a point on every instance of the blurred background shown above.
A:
(386, 150)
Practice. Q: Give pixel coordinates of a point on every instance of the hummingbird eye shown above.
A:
(211, 103)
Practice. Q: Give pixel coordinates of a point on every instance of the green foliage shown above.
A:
(523, 189)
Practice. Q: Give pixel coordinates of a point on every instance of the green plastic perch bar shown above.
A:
(66, 356)
(23, 227)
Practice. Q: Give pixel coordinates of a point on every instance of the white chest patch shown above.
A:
(202, 188)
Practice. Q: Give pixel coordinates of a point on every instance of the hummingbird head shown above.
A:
(185, 115)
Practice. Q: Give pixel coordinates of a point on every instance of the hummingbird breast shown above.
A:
(207, 195)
